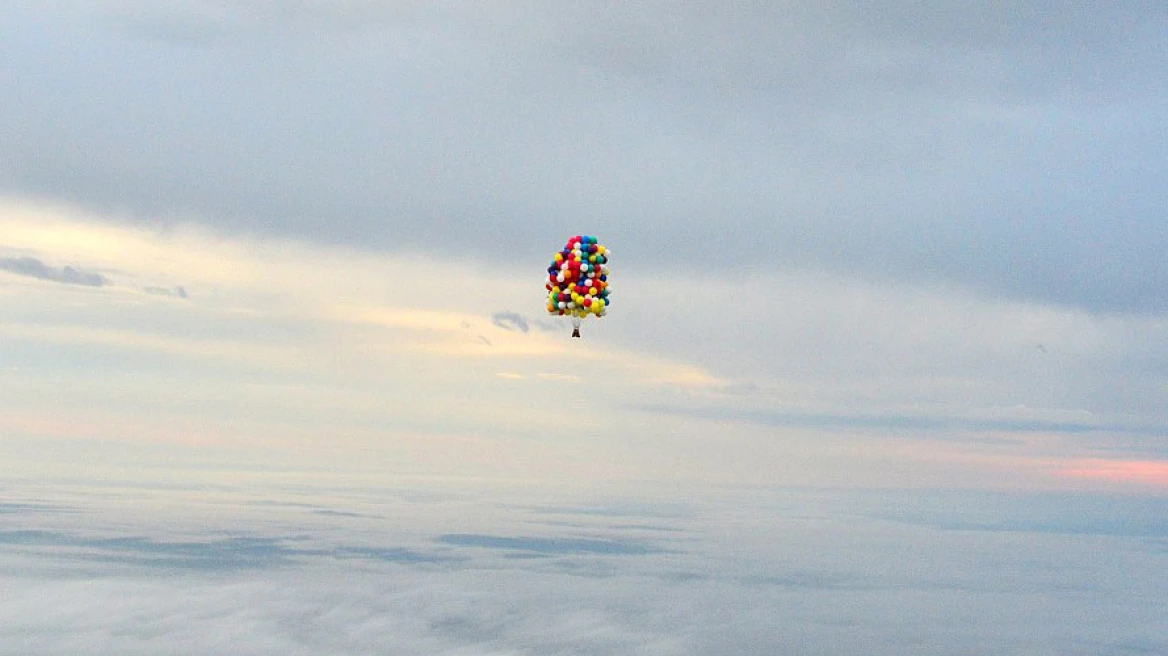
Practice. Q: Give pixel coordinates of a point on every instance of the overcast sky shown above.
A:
(821, 197)
(1012, 149)
(854, 245)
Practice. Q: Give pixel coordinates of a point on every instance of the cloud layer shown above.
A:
(568, 577)
(1014, 151)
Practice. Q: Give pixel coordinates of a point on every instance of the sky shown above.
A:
(886, 280)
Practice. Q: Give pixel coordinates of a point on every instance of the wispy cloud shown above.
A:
(34, 268)
(220, 554)
(1062, 513)
(1145, 472)
(510, 321)
(176, 292)
(944, 427)
(548, 546)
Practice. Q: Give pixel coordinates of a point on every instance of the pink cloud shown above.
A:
(1146, 472)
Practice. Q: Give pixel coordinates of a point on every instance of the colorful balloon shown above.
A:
(577, 284)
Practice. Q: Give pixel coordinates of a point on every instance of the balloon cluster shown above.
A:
(577, 281)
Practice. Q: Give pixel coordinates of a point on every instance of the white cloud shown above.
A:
(287, 337)
(739, 571)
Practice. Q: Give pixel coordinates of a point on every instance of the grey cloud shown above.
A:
(510, 321)
(625, 508)
(585, 525)
(1013, 149)
(389, 555)
(32, 508)
(646, 527)
(551, 546)
(1053, 513)
(34, 268)
(226, 553)
(339, 513)
(175, 292)
(949, 428)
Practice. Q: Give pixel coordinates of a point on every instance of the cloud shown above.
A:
(959, 146)
(794, 577)
(174, 292)
(944, 427)
(34, 268)
(215, 553)
(32, 508)
(227, 553)
(510, 321)
(1019, 512)
(1148, 472)
(360, 339)
(547, 546)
